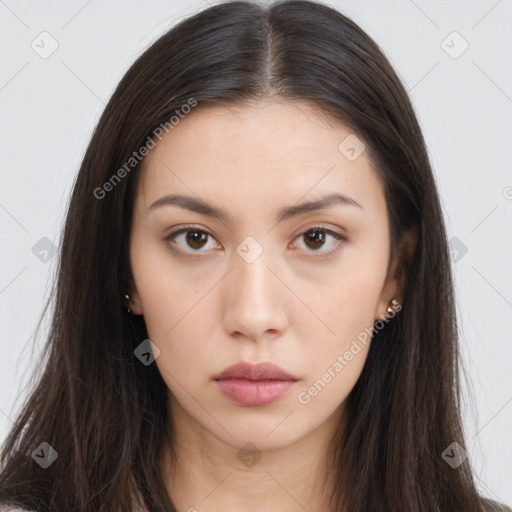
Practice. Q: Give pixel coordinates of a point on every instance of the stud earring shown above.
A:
(394, 304)
(127, 297)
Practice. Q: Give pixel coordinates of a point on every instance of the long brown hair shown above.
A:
(105, 414)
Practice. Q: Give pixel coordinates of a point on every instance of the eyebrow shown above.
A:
(202, 207)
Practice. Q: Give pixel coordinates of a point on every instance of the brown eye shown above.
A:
(318, 237)
(314, 237)
(190, 240)
(195, 238)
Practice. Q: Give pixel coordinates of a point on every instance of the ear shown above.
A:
(135, 303)
(396, 282)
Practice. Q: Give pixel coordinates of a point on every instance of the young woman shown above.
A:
(254, 307)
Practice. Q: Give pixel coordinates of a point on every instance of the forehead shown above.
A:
(267, 150)
(268, 131)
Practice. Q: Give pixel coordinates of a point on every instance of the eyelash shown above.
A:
(340, 240)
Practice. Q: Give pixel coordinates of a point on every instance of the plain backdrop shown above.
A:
(61, 60)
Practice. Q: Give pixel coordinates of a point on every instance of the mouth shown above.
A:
(254, 392)
(247, 384)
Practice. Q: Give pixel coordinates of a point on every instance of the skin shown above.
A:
(214, 309)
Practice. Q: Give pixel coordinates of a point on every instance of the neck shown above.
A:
(209, 474)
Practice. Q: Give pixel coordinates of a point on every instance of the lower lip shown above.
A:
(254, 392)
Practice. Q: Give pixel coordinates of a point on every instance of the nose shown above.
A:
(256, 298)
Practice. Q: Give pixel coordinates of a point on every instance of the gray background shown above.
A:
(49, 107)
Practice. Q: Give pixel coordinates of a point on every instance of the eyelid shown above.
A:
(184, 229)
(340, 240)
(319, 225)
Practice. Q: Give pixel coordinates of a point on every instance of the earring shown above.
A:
(127, 297)
(394, 304)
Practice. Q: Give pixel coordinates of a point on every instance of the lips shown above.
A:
(260, 371)
(254, 385)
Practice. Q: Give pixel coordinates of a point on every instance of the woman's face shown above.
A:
(257, 283)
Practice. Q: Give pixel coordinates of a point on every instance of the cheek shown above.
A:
(346, 302)
(335, 361)
(181, 328)
(188, 350)
(178, 313)
(331, 384)
(183, 336)
(165, 291)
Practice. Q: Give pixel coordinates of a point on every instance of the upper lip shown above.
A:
(260, 371)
